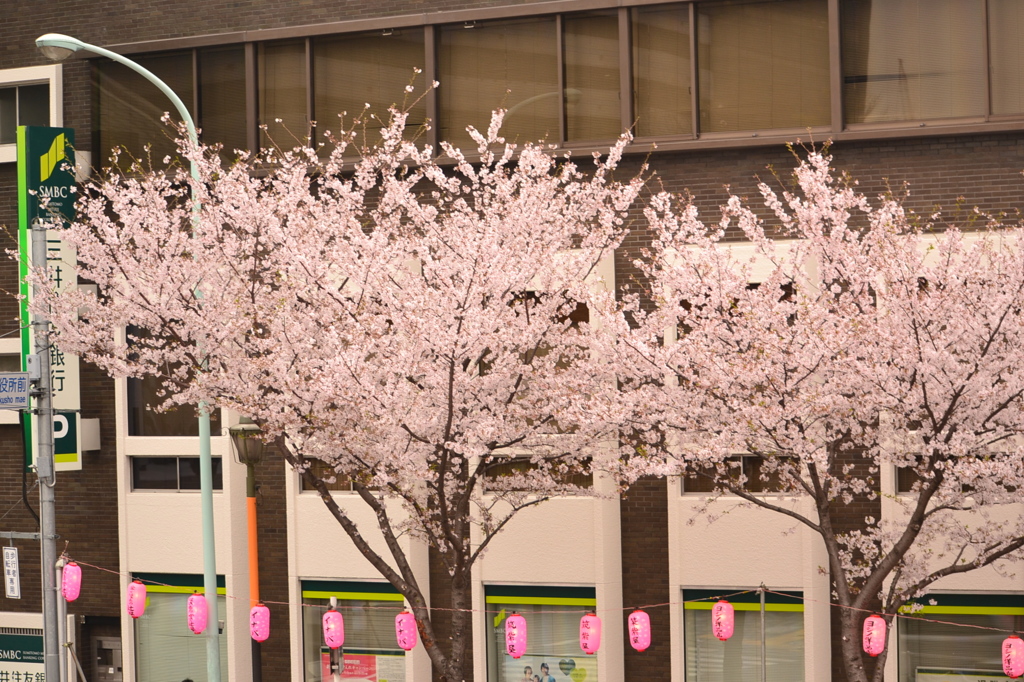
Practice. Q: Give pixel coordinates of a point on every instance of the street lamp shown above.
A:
(247, 440)
(57, 47)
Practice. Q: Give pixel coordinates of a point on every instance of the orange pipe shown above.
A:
(254, 565)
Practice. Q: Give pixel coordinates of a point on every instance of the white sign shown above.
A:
(14, 390)
(12, 579)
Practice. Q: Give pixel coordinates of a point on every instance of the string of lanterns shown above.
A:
(638, 625)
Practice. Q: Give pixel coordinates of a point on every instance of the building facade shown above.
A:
(925, 92)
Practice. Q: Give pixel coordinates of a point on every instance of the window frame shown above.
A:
(49, 74)
(837, 128)
(704, 599)
(561, 599)
(217, 461)
(963, 603)
(360, 593)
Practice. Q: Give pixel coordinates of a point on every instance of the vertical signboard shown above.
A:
(46, 195)
(12, 573)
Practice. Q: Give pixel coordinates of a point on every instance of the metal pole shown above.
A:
(764, 658)
(337, 666)
(62, 626)
(205, 457)
(45, 471)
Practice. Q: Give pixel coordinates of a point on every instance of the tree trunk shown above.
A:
(451, 619)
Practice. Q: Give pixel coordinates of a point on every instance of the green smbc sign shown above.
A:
(46, 195)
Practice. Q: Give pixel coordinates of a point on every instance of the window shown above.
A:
(1006, 55)
(165, 649)
(553, 621)
(577, 474)
(909, 60)
(509, 64)
(131, 108)
(661, 70)
(592, 76)
(143, 420)
(369, 609)
(908, 476)
(325, 472)
(350, 71)
(172, 473)
(281, 74)
(935, 642)
(701, 479)
(763, 65)
(148, 392)
(31, 97)
(222, 98)
(739, 658)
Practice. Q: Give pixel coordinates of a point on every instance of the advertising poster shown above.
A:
(541, 668)
(365, 667)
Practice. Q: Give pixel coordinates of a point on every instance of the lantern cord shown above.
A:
(913, 616)
(576, 610)
(25, 492)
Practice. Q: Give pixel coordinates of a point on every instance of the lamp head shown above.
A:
(249, 446)
(57, 47)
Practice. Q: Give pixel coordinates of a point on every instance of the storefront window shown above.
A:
(165, 649)
(957, 637)
(739, 658)
(370, 651)
(553, 623)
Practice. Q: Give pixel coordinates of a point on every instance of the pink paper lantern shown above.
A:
(590, 633)
(723, 620)
(639, 626)
(515, 635)
(198, 612)
(136, 599)
(334, 629)
(1013, 656)
(405, 630)
(874, 635)
(71, 581)
(259, 622)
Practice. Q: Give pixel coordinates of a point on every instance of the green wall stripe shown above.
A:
(968, 610)
(370, 596)
(740, 606)
(556, 601)
(751, 596)
(179, 589)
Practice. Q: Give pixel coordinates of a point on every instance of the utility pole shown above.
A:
(45, 471)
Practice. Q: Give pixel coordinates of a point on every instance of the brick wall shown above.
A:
(644, 528)
(272, 537)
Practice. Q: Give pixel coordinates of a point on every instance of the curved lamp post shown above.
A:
(58, 47)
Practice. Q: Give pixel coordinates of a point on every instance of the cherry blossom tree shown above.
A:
(413, 321)
(874, 341)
